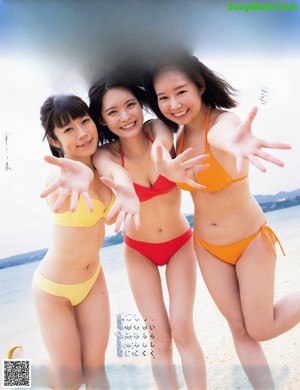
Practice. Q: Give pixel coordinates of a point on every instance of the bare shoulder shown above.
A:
(222, 116)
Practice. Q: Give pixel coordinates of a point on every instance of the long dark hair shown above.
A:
(218, 92)
(130, 80)
(58, 111)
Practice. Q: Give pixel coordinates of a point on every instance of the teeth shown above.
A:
(180, 113)
(128, 126)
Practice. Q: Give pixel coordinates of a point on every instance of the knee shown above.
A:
(183, 334)
(238, 328)
(161, 341)
(257, 332)
(241, 329)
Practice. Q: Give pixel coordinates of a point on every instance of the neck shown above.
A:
(198, 122)
(136, 146)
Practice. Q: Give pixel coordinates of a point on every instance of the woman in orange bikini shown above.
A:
(234, 245)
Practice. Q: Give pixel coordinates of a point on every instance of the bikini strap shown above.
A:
(180, 147)
(179, 150)
(267, 232)
(122, 153)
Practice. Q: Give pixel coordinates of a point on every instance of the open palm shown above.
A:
(244, 144)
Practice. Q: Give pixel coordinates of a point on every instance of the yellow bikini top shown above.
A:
(82, 216)
(215, 178)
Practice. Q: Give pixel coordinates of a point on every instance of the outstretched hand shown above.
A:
(127, 205)
(180, 168)
(244, 144)
(74, 178)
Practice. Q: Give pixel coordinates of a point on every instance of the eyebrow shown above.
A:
(127, 101)
(175, 89)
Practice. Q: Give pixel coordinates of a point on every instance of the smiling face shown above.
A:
(78, 138)
(179, 99)
(122, 112)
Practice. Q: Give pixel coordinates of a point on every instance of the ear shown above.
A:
(202, 90)
(54, 143)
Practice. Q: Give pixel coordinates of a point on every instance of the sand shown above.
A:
(223, 368)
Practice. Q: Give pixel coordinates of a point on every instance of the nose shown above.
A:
(124, 115)
(174, 103)
(81, 131)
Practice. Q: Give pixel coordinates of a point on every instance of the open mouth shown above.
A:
(129, 126)
(179, 115)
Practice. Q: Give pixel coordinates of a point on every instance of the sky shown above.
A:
(63, 46)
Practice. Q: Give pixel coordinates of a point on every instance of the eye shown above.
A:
(86, 120)
(181, 92)
(131, 104)
(68, 129)
(162, 98)
(111, 112)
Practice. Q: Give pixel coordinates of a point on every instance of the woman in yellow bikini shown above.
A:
(69, 287)
(234, 245)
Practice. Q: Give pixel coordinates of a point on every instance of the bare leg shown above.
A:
(222, 283)
(181, 279)
(145, 283)
(59, 331)
(93, 319)
(263, 319)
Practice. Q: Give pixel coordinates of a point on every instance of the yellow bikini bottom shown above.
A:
(75, 293)
(230, 253)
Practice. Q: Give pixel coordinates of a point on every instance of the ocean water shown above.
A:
(16, 306)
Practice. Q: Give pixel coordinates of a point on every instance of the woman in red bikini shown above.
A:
(164, 236)
(235, 248)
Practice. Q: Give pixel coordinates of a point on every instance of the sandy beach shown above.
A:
(223, 368)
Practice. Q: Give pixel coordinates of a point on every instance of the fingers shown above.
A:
(73, 200)
(137, 222)
(51, 188)
(88, 201)
(275, 145)
(120, 219)
(252, 114)
(183, 155)
(194, 161)
(254, 161)
(53, 160)
(239, 164)
(109, 183)
(195, 185)
(60, 200)
(268, 157)
(114, 209)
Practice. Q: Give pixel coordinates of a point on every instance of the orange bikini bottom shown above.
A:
(230, 253)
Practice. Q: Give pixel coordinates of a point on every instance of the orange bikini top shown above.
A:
(215, 178)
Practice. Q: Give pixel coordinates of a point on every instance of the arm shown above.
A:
(235, 137)
(117, 178)
(179, 168)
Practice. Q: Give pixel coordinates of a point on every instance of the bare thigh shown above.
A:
(222, 283)
(145, 282)
(256, 274)
(93, 319)
(59, 331)
(181, 280)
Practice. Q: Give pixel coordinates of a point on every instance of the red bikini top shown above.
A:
(161, 185)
